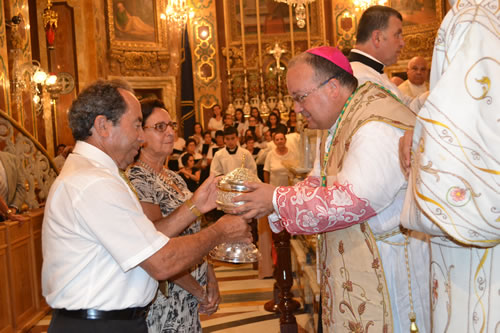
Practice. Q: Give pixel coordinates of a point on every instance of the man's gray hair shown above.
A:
(100, 98)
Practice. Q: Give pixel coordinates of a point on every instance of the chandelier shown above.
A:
(362, 5)
(300, 10)
(177, 13)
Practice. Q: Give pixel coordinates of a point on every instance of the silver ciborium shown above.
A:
(228, 187)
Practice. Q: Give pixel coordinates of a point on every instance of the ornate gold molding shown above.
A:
(135, 63)
(418, 44)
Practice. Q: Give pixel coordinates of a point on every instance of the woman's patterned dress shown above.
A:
(178, 312)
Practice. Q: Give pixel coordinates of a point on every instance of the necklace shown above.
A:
(161, 176)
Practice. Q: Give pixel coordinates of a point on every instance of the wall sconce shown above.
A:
(30, 77)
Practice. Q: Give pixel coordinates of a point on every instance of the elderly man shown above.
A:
(102, 257)
(352, 198)
(417, 75)
(454, 187)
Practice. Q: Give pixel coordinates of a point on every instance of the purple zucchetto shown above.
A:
(333, 55)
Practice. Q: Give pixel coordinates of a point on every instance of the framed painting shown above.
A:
(419, 15)
(136, 24)
(274, 20)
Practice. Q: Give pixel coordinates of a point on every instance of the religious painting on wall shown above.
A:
(136, 24)
(274, 20)
(421, 13)
(134, 20)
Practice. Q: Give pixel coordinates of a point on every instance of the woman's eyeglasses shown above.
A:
(162, 127)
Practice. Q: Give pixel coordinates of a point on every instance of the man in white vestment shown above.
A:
(379, 41)
(417, 76)
(454, 184)
(352, 198)
(232, 156)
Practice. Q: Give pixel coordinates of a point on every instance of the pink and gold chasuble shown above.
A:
(356, 213)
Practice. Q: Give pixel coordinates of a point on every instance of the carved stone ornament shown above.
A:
(418, 44)
(134, 63)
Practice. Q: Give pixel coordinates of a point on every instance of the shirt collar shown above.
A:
(96, 155)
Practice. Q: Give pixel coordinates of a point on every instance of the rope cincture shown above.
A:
(412, 316)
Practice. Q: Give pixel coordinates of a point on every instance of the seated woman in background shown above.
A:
(206, 144)
(189, 173)
(215, 123)
(252, 146)
(197, 134)
(191, 148)
(292, 122)
(206, 151)
(256, 128)
(178, 148)
(258, 125)
(160, 192)
(274, 124)
(240, 123)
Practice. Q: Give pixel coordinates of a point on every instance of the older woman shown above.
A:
(161, 191)
(275, 173)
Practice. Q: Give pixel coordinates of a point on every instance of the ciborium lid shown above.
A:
(235, 180)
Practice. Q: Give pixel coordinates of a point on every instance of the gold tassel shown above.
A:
(413, 324)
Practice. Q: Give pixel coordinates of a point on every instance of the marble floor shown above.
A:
(242, 306)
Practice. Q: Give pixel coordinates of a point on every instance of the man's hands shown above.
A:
(405, 143)
(258, 203)
(205, 195)
(233, 229)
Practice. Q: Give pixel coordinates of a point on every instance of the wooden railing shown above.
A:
(21, 302)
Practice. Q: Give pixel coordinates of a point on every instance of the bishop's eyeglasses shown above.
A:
(301, 98)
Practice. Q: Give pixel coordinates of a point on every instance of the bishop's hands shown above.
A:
(257, 203)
